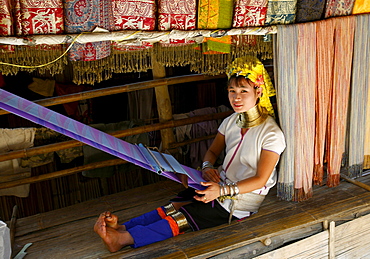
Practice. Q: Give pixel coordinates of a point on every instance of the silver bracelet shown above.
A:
(237, 191)
(221, 189)
(232, 190)
(206, 164)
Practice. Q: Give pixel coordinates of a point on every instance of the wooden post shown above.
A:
(163, 103)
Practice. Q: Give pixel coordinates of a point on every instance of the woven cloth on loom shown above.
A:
(39, 17)
(215, 14)
(134, 14)
(280, 12)
(177, 15)
(310, 10)
(82, 16)
(361, 6)
(250, 13)
(359, 96)
(338, 8)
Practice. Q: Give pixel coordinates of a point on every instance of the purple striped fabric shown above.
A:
(93, 137)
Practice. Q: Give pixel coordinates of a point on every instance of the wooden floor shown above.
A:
(68, 232)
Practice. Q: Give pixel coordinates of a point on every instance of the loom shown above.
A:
(155, 161)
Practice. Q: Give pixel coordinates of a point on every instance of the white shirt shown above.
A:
(243, 153)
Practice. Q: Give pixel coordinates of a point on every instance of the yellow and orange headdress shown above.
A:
(252, 68)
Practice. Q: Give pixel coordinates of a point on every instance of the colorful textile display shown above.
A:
(39, 17)
(219, 45)
(84, 16)
(216, 14)
(361, 6)
(134, 14)
(359, 96)
(176, 15)
(250, 13)
(163, 164)
(310, 10)
(280, 12)
(338, 8)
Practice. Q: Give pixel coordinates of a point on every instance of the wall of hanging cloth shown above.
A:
(178, 27)
(315, 57)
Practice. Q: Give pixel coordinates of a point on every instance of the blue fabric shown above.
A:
(143, 220)
(145, 235)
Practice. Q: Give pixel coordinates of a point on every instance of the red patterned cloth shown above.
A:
(177, 15)
(132, 47)
(6, 24)
(134, 14)
(39, 17)
(250, 13)
(338, 8)
(85, 15)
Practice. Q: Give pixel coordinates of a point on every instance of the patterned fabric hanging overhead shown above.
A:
(177, 15)
(280, 12)
(215, 14)
(338, 8)
(84, 16)
(134, 14)
(39, 17)
(6, 25)
(250, 13)
(310, 10)
(361, 6)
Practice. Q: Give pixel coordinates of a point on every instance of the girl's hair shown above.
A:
(236, 79)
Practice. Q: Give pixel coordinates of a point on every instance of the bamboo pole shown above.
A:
(121, 89)
(360, 184)
(70, 171)
(164, 106)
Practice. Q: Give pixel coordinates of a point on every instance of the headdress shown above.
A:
(252, 68)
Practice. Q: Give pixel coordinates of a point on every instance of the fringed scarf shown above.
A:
(359, 96)
(309, 10)
(177, 15)
(337, 116)
(361, 6)
(215, 14)
(280, 12)
(249, 13)
(338, 8)
(134, 14)
(305, 111)
(325, 54)
(286, 96)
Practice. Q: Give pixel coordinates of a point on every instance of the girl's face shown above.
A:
(242, 94)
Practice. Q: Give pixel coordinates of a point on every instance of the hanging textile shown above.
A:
(361, 6)
(337, 116)
(359, 92)
(6, 25)
(84, 16)
(216, 14)
(325, 56)
(305, 111)
(286, 94)
(249, 13)
(221, 45)
(280, 12)
(176, 15)
(338, 8)
(39, 17)
(310, 10)
(163, 164)
(367, 133)
(10, 170)
(134, 14)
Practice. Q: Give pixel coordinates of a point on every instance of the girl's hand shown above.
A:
(210, 174)
(209, 194)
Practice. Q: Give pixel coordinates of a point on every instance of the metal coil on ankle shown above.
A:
(181, 221)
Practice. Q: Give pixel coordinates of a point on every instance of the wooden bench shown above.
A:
(68, 232)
